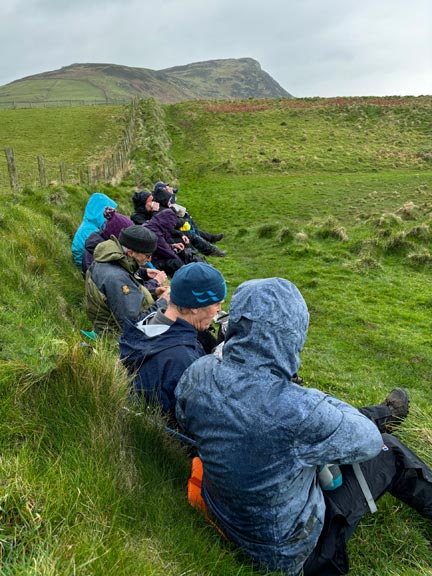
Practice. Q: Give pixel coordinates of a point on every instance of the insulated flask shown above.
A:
(330, 477)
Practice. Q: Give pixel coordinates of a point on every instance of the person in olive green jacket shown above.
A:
(113, 292)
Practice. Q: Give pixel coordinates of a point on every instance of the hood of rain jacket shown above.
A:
(262, 437)
(93, 220)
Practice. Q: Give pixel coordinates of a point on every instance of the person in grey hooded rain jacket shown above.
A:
(262, 439)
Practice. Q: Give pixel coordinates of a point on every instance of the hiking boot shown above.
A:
(398, 402)
(218, 253)
(216, 237)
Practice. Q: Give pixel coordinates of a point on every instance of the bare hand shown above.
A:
(185, 239)
(162, 291)
(178, 245)
(158, 275)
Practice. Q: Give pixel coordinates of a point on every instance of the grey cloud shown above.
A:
(310, 47)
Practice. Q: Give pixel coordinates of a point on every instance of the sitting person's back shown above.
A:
(263, 440)
(112, 226)
(164, 257)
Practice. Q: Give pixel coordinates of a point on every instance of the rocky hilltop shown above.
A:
(213, 79)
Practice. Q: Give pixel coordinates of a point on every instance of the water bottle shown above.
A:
(330, 477)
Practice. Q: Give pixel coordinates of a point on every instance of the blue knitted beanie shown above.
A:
(197, 285)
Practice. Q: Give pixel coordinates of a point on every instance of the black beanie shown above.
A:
(138, 239)
(140, 198)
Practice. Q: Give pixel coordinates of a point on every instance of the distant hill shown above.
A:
(97, 83)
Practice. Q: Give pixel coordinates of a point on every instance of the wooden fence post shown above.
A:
(42, 175)
(62, 167)
(13, 176)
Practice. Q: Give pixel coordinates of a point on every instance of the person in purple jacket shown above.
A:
(166, 256)
(112, 226)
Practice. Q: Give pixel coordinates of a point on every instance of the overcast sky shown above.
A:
(311, 47)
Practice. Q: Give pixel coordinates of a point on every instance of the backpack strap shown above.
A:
(364, 487)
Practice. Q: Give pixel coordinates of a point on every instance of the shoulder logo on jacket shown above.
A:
(125, 289)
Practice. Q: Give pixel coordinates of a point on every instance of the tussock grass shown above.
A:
(423, 258)
(421, 232)
(267, 231)
(301, 237)
(408, 211)
(285, 234)
(397, 242)
(387, 222)
(331, 228)
(365, 263)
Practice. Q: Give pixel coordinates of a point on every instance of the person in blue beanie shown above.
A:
(157, 349)
(262, 441)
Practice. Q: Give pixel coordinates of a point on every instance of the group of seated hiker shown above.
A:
(264, 445)
(149, 205)
(126, 264)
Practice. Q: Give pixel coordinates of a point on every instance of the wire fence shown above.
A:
(37, 170)
(23, 104)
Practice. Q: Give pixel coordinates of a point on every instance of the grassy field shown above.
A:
(92, 485)
(309, 135)
(72, 136)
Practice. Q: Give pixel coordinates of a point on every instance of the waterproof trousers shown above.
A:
(396, 470)
(200, 243)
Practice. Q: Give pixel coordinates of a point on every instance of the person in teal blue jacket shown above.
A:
(92, 221)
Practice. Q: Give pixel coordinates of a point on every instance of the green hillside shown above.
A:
(80, 84)
(335, 195)
(75, 137)
(301, 135)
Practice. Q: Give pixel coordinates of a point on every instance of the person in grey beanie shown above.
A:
(113, 290)
(158, 349)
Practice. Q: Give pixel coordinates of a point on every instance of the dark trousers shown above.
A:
(396, 470)
(200, 243)
(169, 265)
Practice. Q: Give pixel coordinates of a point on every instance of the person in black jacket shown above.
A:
(144, 206)
(147, 204)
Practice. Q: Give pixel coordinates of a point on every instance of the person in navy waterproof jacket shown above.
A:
(157, 349)
(262, 438)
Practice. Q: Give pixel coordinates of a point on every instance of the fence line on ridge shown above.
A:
(22, 170)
